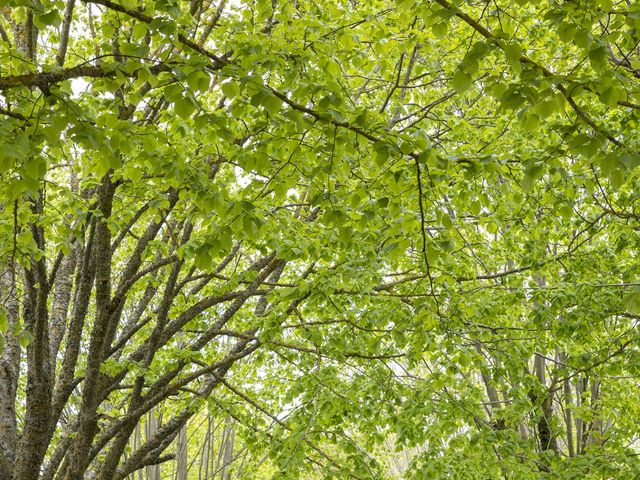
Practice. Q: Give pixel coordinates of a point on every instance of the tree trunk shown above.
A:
(9, 370)
(151, 428)
(182, 448)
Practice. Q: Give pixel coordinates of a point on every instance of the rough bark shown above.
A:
(546, 436)
(35, 439)
(61, 300)
(92, 383)
(9, 369)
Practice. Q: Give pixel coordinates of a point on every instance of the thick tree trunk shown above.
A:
(88, 426)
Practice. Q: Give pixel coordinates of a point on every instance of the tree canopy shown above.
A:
(366, 239)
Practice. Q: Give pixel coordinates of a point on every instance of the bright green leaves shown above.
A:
(51, 18)
(339, 222)
(203, 251)
(475, 207)
(184, 107)
(334, 218)
(531, 175)
(4, 327)
(631, 301)
(462, 78)
(4, 322)
(530, 121)
(382, 152)
(440, 29)
(230, 89)
(267, 100)
(184, 104)
(565, 210)
(25, 338)
(251, 225)
(332, 105)
(202, 257)
(514, 183)
(331, 68)
(566, 31)
(611, 95)
(15, 153)
(492, 227)
(439, 19)
(616, 167)
(598, 56)
(461, 81)
(139, 30)
(583, 38)
(548, 106)
(198, 81)
(610, 89)
(513, 54)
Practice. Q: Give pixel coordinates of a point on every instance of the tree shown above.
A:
(342, 228)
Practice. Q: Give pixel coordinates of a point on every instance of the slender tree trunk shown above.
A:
(545, 434)
(9, 370)
(595, 432)
(568, 409)
(228, 438)
(39, 391)
(581, 386)
(151, 428)
(182, 449)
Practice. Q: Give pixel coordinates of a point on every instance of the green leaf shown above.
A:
(461, 81)
(230, 89)
(565, 211)
(139, 30)
(25, 339)
(631, 301)
(270, 102)
(4, 323)
(184, 107)
(50, 18)
(440, 29)
(513, 52)
(598, 57)
(475, 207)
(382, 152)
(611, 96)
(566, 31)
(203, 258)
(528, 182)
(251, 227)
(530, 122)
(546, 108)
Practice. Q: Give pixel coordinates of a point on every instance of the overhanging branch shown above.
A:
(44, 80)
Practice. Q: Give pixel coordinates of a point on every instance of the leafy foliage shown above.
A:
(374, 240)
